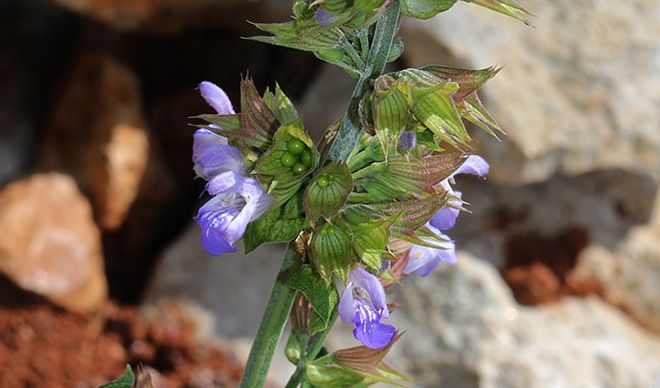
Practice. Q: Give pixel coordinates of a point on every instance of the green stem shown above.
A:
(271, 327)
(350, 130)
(312, 351)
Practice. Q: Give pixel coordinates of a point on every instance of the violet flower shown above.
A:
(363, 304)
(422, 260)
(445, 218)
(407, 141)
(237, 201)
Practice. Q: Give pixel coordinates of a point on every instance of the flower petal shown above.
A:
(214, 218)
(256, 203)
(216, 97)
(474, 165)
(445, 218)
(346, 307)
(324, 17)
(228, 181)
(212, 156)
(375, 335)
(372, 286)
(423, 260)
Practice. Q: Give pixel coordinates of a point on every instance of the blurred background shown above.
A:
(558, 283)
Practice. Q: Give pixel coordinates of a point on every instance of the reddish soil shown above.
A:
(42, 346)
(538, 268)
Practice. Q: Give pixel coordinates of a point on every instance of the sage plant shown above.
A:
(366, 207)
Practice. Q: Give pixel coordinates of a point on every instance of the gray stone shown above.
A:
(578, 93)
(463, 329)
(233, 287)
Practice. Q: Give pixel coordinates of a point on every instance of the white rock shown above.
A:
(463, 329)
(578, 93)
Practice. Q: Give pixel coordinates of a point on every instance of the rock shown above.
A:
(326, 99)
(164, 16)
(576, 94)
(97, 133)
(49, 243)
(463, 329)
(233, 287)
(630, 273)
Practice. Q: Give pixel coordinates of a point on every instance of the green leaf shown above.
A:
(124, 381)
(281, 106)
(330, 251)
(226, 122)
(469, 81)
(472, 110)
(280, 224)
(370, 241)
(425, 9)
(405, 177)
(435, 108)
(327, 191)
(506, 7)
(323, 297)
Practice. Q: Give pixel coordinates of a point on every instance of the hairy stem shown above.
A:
(282, 297)
(349, 132)
(271, 327)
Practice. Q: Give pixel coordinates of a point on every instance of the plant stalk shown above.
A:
(271, 327)
(282, 296)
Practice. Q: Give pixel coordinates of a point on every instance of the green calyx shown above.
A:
(330, 251)
(327, 192)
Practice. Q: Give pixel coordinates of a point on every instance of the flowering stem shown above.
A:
(350, 130)
(282, 296)
(271, 327)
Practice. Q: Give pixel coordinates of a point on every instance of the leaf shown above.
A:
(405, 177)
(281, 224)
(225, 122)
(506, 7)
(435, 108)
(370, 241)
(280, 105)
(124, 381)
(327, 192)
(414, 213)
(425, 9)
(473, 111)
(469, 81)
(323, 297)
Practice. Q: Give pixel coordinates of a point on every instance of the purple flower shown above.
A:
(363, 304)
(422, 260)
(445, 218)
(237, 201)
(213, 156)
(407, 141)
(216, 97)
